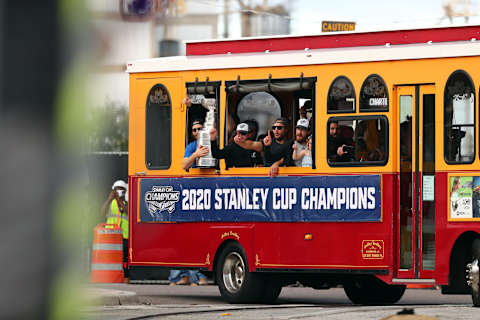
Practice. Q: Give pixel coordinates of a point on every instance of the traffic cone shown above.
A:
(107, 254)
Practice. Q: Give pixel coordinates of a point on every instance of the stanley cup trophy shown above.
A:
(203, 138)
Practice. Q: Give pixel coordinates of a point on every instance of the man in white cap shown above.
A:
(115, 210)
(301, 134)
(234, 155)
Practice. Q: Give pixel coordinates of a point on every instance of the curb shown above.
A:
(109, 297)
(112, 297)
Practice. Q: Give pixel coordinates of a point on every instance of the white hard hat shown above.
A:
(120, 183)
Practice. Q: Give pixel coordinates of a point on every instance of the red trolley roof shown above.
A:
(336, 40)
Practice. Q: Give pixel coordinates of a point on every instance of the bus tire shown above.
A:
(235, 282)
(271, 290)
(473, 273)
(372, 291)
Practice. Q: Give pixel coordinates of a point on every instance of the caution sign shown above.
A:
(336, 26)
(372, 249)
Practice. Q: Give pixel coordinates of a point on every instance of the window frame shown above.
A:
(202, 86)
(445, 142)
(387, 109)
(381, 163)
(354, 95)
(269, 80)
(147, 140)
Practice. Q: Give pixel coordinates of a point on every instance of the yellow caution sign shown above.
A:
(335, 26)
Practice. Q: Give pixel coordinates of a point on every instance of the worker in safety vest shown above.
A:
(115, 210)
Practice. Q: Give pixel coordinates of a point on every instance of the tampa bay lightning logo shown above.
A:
(161, 198)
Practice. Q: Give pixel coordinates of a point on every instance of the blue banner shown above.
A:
(280, 199)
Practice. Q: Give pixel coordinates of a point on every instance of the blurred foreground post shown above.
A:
(29, 72)
(37, 169)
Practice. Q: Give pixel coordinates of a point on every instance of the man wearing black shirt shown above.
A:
(277, 149)
(234, 155)
(257, 158)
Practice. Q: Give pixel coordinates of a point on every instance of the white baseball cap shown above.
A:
(242, 127)
(303, 123)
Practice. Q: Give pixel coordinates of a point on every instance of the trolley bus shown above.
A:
(402, 208)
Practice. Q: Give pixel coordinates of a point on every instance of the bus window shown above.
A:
(202, 116)
(374, 94)
(266, 100)
(158, 128)
(357, 141)
(459, 118)
(341, 96)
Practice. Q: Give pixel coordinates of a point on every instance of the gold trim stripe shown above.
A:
(316, 266)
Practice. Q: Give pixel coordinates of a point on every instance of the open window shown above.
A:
(158, 128)
(459, 99)
(203, 112)
(265, 100)
(357, 141)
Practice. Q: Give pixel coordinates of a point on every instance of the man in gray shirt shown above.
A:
(301, 134)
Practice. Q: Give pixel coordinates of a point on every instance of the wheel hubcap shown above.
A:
(473, 273)
(233, 272)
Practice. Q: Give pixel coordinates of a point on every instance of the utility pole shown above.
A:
(246, 14)
(225, 18)
(263, 19)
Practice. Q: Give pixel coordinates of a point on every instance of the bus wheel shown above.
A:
(235, 282)
(473, 273)
(372, 291)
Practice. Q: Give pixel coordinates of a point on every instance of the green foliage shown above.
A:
(108, 127)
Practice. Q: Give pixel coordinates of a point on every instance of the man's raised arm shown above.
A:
(254, 145)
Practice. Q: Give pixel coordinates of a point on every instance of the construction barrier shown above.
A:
(107, 254)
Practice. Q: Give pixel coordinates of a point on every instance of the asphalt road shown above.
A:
(184, 302)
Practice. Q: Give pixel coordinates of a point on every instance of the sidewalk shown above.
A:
(146, 293)
(110, 297)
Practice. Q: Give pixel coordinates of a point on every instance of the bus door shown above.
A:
(416, 177)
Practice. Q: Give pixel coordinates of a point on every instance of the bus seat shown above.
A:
(346, 132)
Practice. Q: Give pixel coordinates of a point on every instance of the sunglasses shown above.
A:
(242, 133)
(277, 127)
(196, 129)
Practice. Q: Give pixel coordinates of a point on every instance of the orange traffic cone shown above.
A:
(107, 254)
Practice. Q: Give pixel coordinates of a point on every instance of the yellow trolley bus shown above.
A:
(396, 201)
